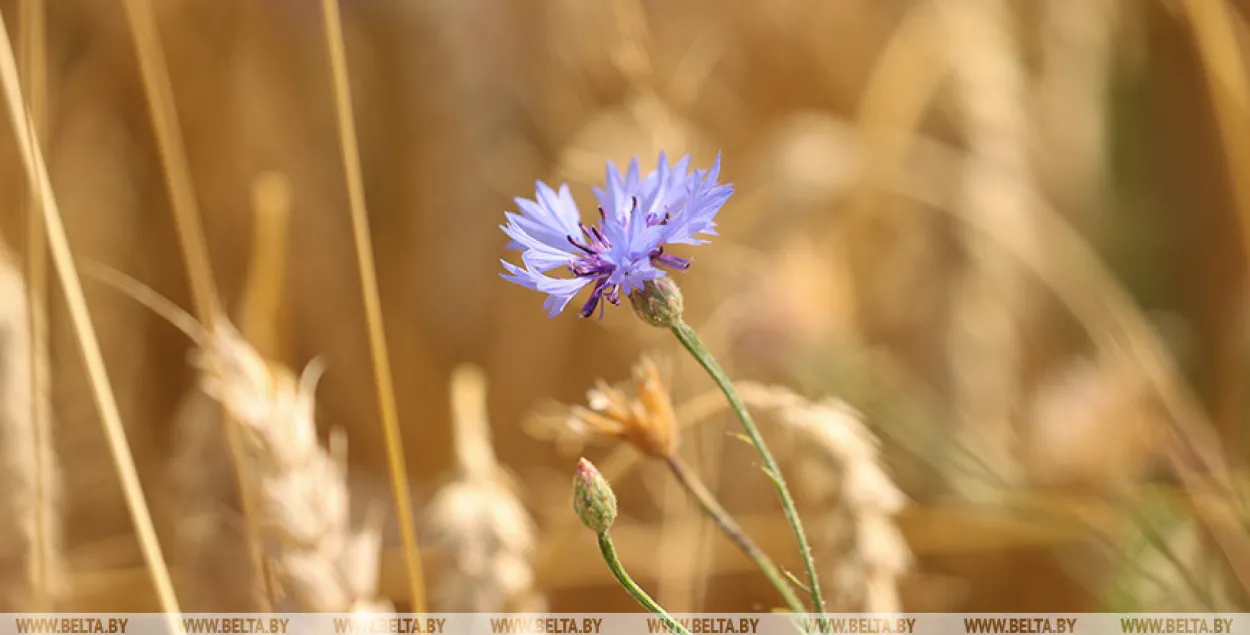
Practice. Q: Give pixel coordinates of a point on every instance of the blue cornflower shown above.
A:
(638, 216)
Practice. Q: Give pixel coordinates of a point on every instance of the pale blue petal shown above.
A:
(537, 254)
(559, 290)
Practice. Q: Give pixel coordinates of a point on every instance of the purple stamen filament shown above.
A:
(593, 243)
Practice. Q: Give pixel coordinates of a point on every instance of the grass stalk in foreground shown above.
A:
(177, 172)
(88, 342)
(373, 304)
(32, 35)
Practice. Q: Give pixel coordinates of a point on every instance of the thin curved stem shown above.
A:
(730, 527)
(691, 341)
(618, 571)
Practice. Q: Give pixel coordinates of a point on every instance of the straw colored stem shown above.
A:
(1213, 26)
(373, 305)
(474, 453)
(156, 85)
(173, 155)
(690, 340)
(32, 33)
(691, 483)
(265, 319)
(80, 317)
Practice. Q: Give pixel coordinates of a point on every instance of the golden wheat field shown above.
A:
(981, 284)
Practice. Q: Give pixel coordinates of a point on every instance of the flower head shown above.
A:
(638, 216)
(638, 412)
(645, 419)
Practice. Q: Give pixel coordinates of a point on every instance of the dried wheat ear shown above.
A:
(477, 521)
(317, 561)
(31, 562)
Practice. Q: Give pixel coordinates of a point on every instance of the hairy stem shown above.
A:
(691, 482)
(618, 571)
(691, 341)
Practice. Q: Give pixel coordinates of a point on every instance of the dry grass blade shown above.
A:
(102, 392)
(177, 173)
(173, 156)
(373, 304)
(1213, 25)
(33, 42)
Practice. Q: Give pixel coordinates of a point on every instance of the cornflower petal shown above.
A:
(559, 290)
(639, 214)
(704, 199)
(549, 218)
(538, 254)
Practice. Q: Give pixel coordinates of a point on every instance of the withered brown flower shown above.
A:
(639, 412)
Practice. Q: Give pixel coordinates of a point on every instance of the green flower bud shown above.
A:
(658, 302)
(593, 499)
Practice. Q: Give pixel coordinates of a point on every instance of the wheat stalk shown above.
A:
(984, 340)
(373, 304)
(159, 92)
(102, 392)
(46, 567)
(1223, 61)
(202, 464)
(1077, 40)
(303, 510)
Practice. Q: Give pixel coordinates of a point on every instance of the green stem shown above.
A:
(618, 570)
(734, 531)
(691, 341)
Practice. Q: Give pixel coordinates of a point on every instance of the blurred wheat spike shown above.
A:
(477, 521)
(320, 563)
(31, 562)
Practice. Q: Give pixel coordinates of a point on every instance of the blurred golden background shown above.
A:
(1004, 238)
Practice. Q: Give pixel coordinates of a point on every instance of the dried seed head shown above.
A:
(320, 562)
(644, 418)
(659, 302)
(593, 499)
(477, 521)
